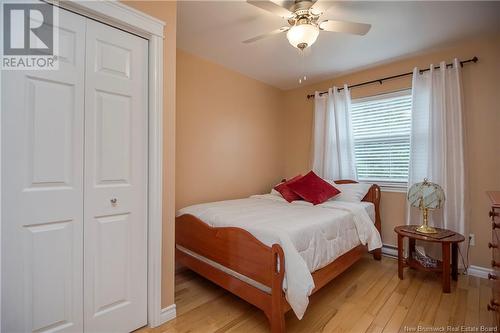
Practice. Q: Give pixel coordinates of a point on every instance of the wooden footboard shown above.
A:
(237, 250)
(205, 250)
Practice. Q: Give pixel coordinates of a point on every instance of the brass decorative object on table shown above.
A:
(426, 196)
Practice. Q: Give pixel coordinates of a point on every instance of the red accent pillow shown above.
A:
(313, 189)
(287, 193)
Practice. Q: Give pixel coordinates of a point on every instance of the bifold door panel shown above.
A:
(115, 179)
(42, 191)
(74, 186)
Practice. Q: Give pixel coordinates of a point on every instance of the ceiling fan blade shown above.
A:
(271, 7)
(269, 34)
(321, 6)
(347, 27)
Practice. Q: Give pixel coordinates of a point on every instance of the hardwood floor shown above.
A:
(368, 297)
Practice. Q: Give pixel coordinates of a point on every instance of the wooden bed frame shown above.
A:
(242, 253)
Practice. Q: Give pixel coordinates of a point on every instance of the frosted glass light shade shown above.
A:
(303, 35)
(426, 195)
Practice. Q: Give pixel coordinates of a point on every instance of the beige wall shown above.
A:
(167, 12)
(482, 124)
(229, 133)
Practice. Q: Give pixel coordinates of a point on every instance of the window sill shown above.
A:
(393, 188)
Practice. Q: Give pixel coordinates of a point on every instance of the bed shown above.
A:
(250, 259)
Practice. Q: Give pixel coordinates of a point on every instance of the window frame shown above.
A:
(386, 186)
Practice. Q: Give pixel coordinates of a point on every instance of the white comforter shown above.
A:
(311, 236)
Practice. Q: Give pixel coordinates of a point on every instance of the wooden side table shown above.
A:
(443, 266)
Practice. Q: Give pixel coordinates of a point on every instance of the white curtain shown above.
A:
(437, 143)
(333, 147)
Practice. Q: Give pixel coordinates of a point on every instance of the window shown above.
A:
(381, 129)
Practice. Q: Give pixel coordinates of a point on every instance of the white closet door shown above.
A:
(115, 205)
(42, 191)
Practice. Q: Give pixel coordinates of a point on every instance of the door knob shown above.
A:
(491, 308)
(493, 305)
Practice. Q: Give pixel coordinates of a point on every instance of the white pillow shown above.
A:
(354, 192)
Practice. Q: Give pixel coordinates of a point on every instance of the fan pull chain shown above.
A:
(302, 59)
(303, 56)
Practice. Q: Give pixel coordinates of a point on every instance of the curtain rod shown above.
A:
(474, 60)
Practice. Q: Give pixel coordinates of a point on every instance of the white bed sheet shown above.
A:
(311, 236)
(370, 209)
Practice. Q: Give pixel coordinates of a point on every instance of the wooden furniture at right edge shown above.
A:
(494, 304)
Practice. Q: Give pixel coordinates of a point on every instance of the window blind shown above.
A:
(381, 129)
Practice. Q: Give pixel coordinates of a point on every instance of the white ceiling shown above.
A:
(214, 30)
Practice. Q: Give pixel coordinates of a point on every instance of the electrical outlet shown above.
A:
(472, 239)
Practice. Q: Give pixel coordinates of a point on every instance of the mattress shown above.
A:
(310, 236)
(369, 208)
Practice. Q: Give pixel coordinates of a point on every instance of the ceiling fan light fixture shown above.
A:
(302, 35)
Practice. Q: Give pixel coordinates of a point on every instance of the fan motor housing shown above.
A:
(301, 5)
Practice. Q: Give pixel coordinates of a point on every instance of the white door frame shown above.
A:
(119, 15)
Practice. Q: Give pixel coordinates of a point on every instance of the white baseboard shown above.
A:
(389, 251)
(168, 314)
(479, 271)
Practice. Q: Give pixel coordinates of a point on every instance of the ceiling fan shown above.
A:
(303, 17)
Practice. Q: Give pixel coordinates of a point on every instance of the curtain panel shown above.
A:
(437, 143)
(333, 145)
